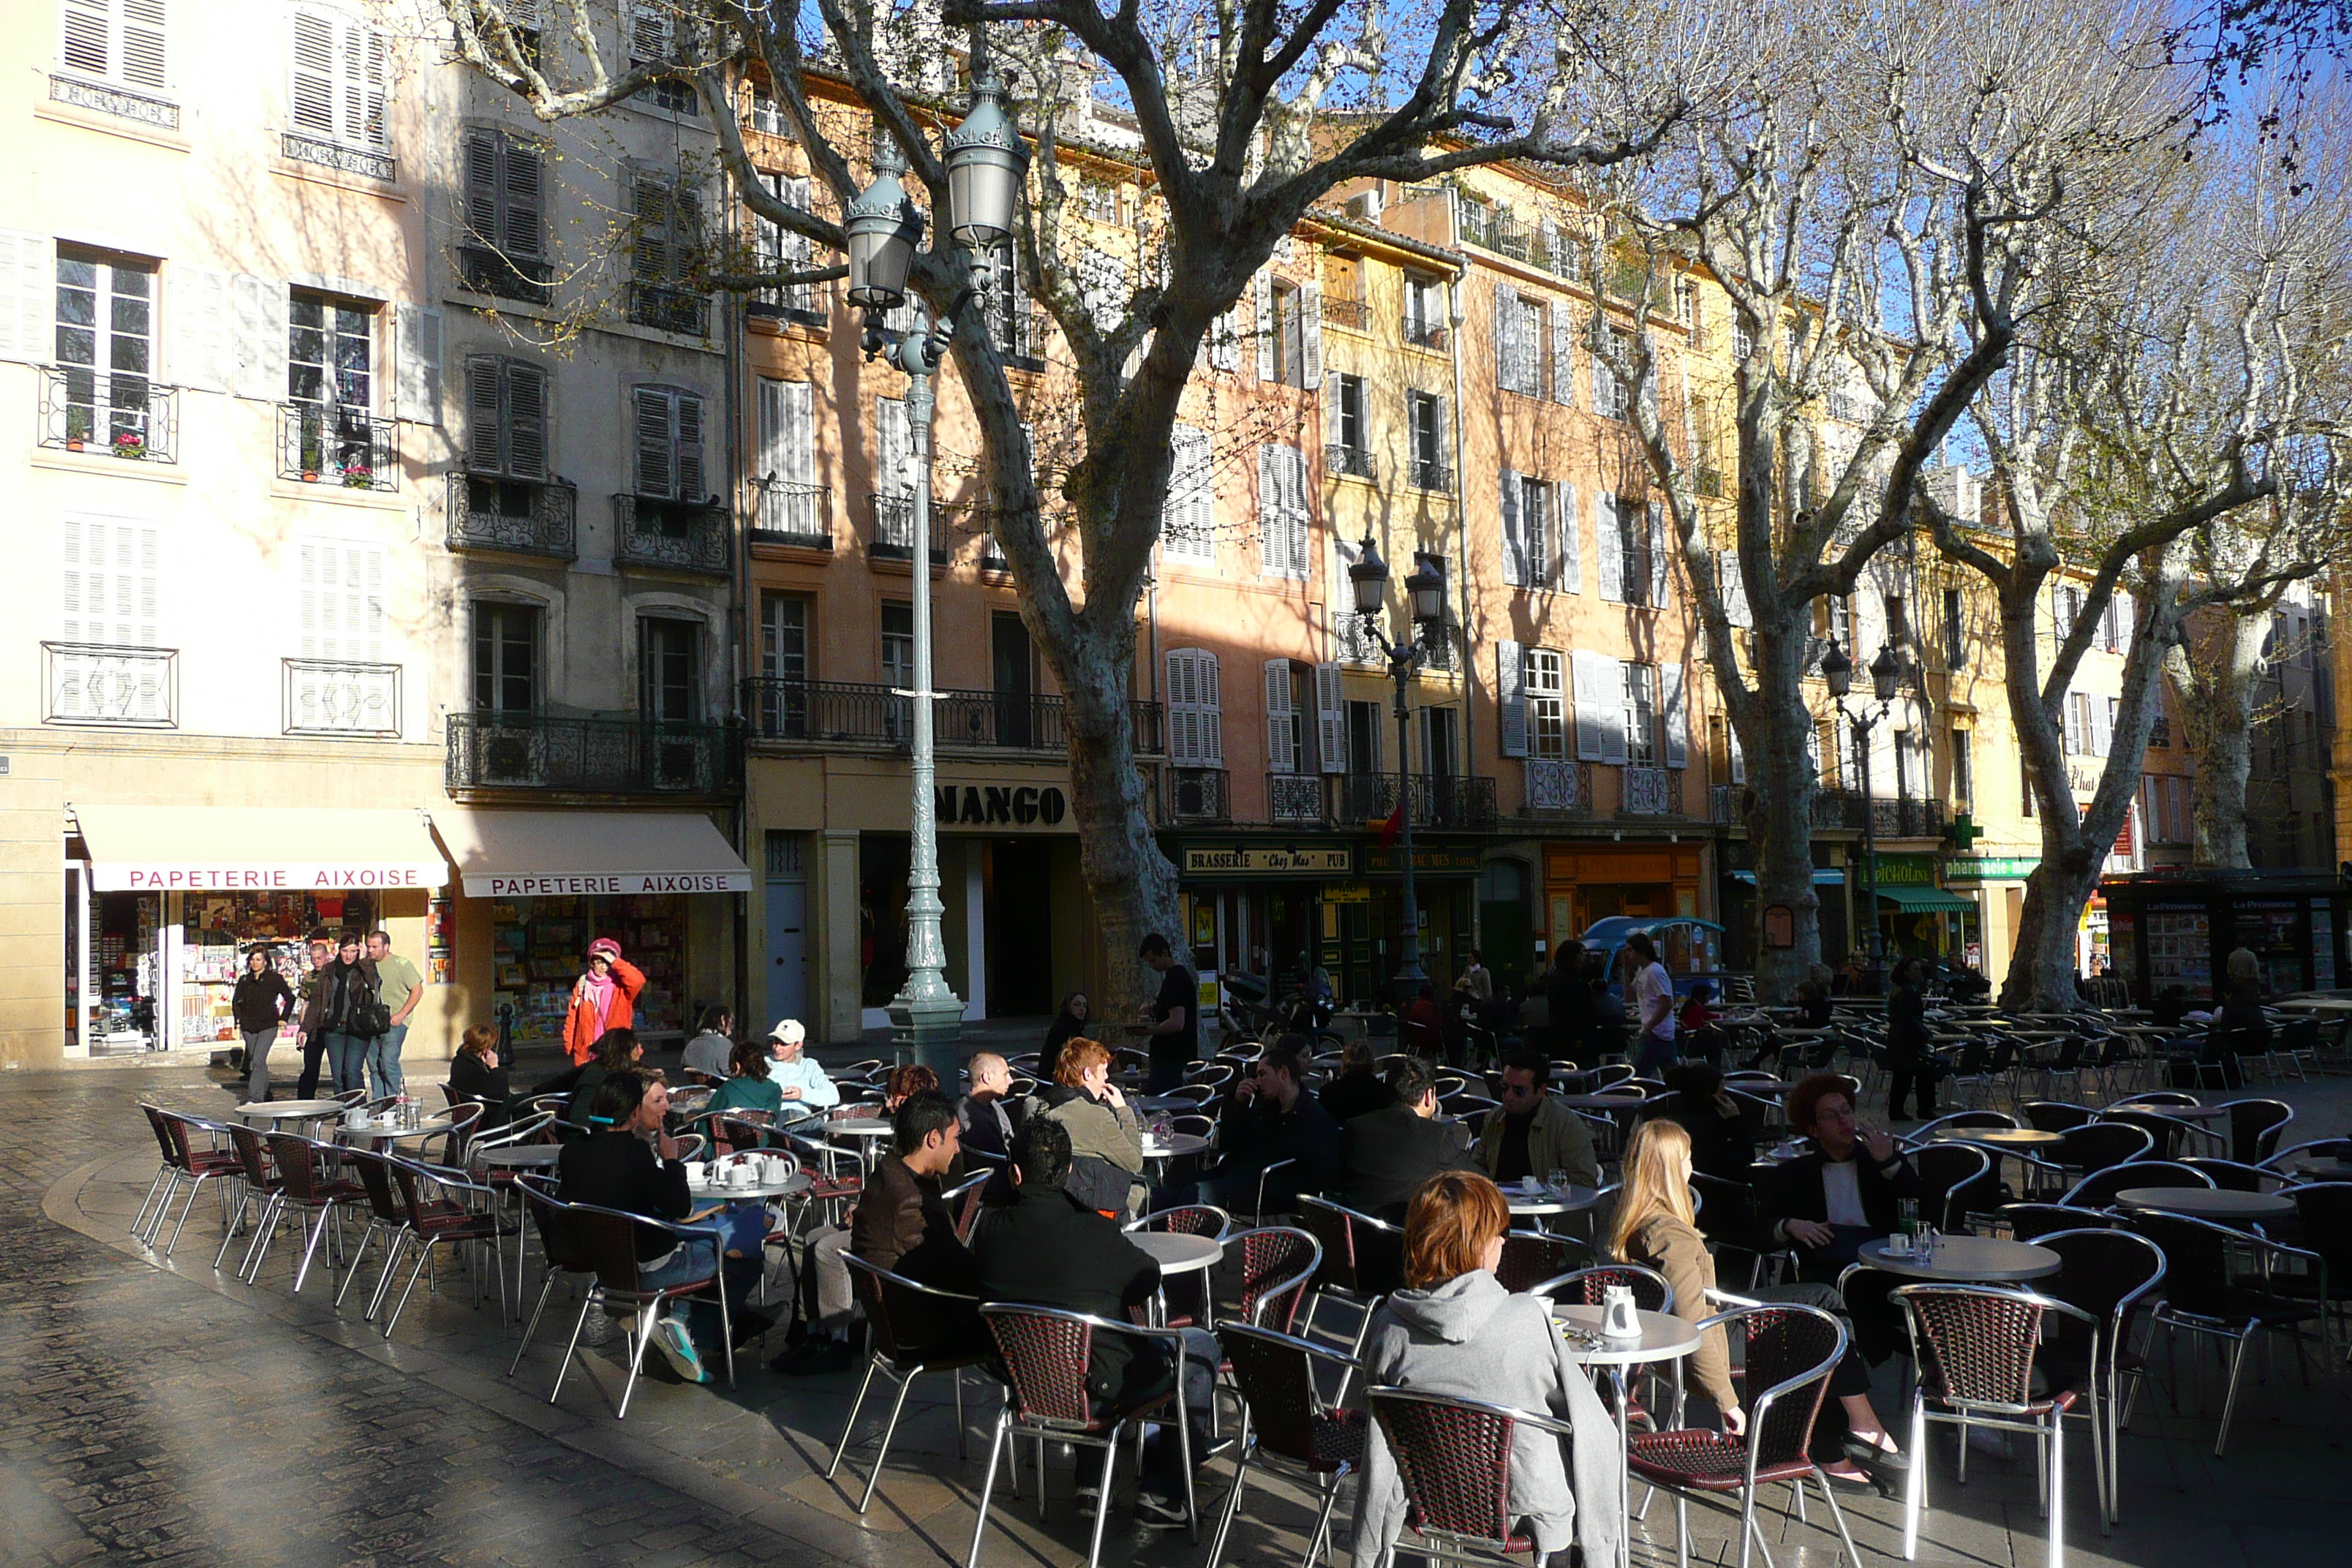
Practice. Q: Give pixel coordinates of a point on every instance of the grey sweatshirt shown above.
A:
(1472, 1339)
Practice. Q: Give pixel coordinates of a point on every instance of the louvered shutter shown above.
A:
(522, 197)
(1514, 543)
(1568, 529)
(693, 473)
(1620, 739)
(87, 41)
(1677, 706)
(2103, 726)
(1511, 699)
(657, 471)
(483, 180)
(1183, 716)
(1657, 556)
(202, 355)
(1606, 525)
(121, 41)
(800, 438)
(2075, 725)
(1733, 589)
(1262, 321)
(2126, 619)
(526, 418)
(1600, 710)
(110, 582)
(1225, 339)
(145, 27)
(1563, 353)
(1331, 720)
(28, 297)
(485, 416)
(1310, 335)
(261, 307)
(417, 386)
(1739, 757)
(1281, 718)
(315, 77)
(1534, 525)
(1506, 325)
(891, 448)
(649, 30)
(771, 459)
(1213, 717)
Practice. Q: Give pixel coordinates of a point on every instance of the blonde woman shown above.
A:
(1655, 1227)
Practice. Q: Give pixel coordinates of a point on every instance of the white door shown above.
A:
(787, 950)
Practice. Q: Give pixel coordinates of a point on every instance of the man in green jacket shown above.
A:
(1534, 1135)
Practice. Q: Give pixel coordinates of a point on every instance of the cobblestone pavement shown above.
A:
(155, 1412)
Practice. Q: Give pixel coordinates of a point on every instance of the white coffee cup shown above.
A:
(1898, 1245)
(356, 1117)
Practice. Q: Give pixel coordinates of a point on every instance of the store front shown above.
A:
(162, 902)
(1917, 919)
(1261, 909)
(1587, 882)
(1995, 885)
(1737, 904)
(2179, 927)
(538, 886)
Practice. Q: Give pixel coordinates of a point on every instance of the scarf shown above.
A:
(600, 995)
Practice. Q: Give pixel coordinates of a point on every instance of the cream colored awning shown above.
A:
(258, 848)
(537, 854)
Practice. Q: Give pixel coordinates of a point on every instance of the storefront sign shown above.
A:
(1347, 893)
(1270, 860)
(1006, 805)
(113, 876)
(1390, 862)
(1990, 868)
(573, 884)
(1906, 871)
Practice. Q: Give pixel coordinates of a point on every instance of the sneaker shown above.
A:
(1159, 1513)
(677, 1347)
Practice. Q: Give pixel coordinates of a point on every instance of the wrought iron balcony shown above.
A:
(327, 696)
(485, 270)
(849, 714)
(591, 756)
(368, 162)
(1430, 474)
(1558, 787)
(1351, 460)
(101, 683)
(1726, 805)
(669, 309)
(1295, 799)
(894, 530)
(520, 517)
(129, 416)
(1198, 795)
(682, 536)
(794, 514)
(1459, 800)
(1907, 818)
(1423, 334)
(1342, 311)
(322, 444)
(1650, 791)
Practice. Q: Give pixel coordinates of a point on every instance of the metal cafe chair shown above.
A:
(897, 1309)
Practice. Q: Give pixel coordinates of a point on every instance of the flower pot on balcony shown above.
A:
(357, 479)
(73, 443)
(309, 476)
(129, 447)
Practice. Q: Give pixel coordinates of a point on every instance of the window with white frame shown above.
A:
(1542, 681)
(341, 81)
(1195, 719)
(105, 348)
(1282, 511)
(506, 636)
(1519, 342)
(1612, 398)
(121, 41)
(1188, 515)
(778, 249)
(1640, 715)
(788, 488)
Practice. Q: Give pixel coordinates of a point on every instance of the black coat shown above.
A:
(621, 1171)
(1720, 1145)
(1385, 1154)
(1047, 1249)
(1256, 1134)
(1359, 1091)
(260, 1001)
(1794, 1190)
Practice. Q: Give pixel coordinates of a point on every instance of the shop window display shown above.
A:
(541, 948)
(217, 929)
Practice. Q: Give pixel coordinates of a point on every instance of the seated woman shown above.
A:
(907, 1079)
(751, 1084)
(1106, 1140)
(1720, 1145)
(1454, 1330)
(1654, 1228)
(476, 1073)
(1356, 1090)
(616, 1051)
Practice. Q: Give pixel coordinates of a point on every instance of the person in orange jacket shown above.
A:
(604, 998)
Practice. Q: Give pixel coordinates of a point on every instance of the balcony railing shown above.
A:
(794, 514)
(1446, 800)
(683, 536)
(846, 713)
(1198, 795)
(1907, 818)
(487, 270)
(327, 696)
(1430, 474)
(129, 417)
(594, 756)
(520, 516)
(894, 529)
(1559, 785)
(1726, 805)
(669, 309)
(100, 683)
(1351, 460)
(1650, 791)
(368, 162)
(1342, 311)
(1423, 334)
(320, 443)
(1838, 810)
(1295, 799)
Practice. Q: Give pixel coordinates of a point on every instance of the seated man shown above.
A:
(1842, 1190)
(631, 1165)
(1385, 1154)
(1048, 1250)
(706, 1056)
(806, 1090)
(901, 1222)
(987, 1117)
(1269, 1120)
(1534, 1135)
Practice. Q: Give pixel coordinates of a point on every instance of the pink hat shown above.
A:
(604, 947)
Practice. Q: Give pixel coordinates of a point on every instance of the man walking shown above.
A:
(1652, 991)
(1174, 1016)
(311, 1015)
(399, 988)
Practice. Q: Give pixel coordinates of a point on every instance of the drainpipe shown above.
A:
(1461, 573)
(738, 591)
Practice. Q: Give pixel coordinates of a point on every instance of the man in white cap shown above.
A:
(806, 1090)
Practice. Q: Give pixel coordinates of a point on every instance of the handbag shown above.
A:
(365, 1017)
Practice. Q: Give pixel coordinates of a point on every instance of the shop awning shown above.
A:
(258, 848)
(1823, 877)
(1925, 900)
(547, 854)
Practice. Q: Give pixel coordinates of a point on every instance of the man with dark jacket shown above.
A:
(1270, 1120)
(1385, 1154)
(1534, 1135)
(1048, 1250)
(988, 1117)
(1846, 1188)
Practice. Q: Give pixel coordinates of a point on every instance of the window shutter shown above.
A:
(144, 29)
(1514, 543)
(1331, 720)
(1563, 353)
(1281, 718)
(800, 432)
(485, 416)
(1677, 704)
(1262, 321)
(526, 421)
(314, 91)
(1310, 335)
(1739, 757)
(1212, 718)
(1535, 527)
(771, 459)
(2120, 608)
(1507, 322)
(1733, 589)
(1612, 551)
(87, 44)
(364, 85)
(1225, 339)
(519, 186)
(1617, 737)
(482, 184)
(2103, 726)
(201, 356)
(1599, 709)
(111, 581)
(418, 388)
(2075, 725)
(28, 297)
(1568, 528)
(693, 477)
(655, 459)
(891, 447)
(260, 309)
(1183, 720)
(1657, 556)
(1511, 699)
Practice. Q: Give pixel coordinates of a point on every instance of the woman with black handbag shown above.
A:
(349, 1015)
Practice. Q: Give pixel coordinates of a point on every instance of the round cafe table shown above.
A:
(1175, 1254)
(766, 1186)
(374, 1134)
(865, 1131)
(1966, 1260)
(1546, 1201)
(520, 1157)
(2023, 1138)
(278, 1111)
(1664, 1338)
(2177, 1112)
(2322, 1168)
(1176, 1146)
(2220, 1204)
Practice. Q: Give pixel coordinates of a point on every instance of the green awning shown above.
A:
(1925, 900)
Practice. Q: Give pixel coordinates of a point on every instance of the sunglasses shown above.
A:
(1519, 1089)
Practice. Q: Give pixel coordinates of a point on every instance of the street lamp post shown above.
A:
(984, 172)
(1885, 671)
(1425, 593)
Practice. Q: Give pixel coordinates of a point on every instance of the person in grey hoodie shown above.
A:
(1454, 1330)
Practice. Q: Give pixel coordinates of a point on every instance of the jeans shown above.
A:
(257, 1062)
(699, 1259)
(314, 1049)
(1657, 1054)
(347, 1059)
(1163, 1457)
(384, 1072)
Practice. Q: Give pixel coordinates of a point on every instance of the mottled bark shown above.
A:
(1131, 884)
(2218, 677)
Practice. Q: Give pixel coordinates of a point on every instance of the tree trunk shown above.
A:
(2218, 683)
(1132, 884)
(2041, 968)
(1781, 787)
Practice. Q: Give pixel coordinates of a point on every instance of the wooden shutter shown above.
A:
(654, 431)
(123, 40)
(111, 581)
(1657, 524)
(1563, 353)
(1262, 321)
(1607, 527)
(1600, 691)
(1511, 699)
(1514, 543)
(2076, 717)
(1732, 589)
(1618, 739)
(482, 182)
(1568, 528)
(2103, 725)
(1739, 757)
(1507, 332)
(417, 388)
(800, 432)
(1281, 718)
(145, 29)
(485, 415)
(1676, 702)
(1186, 520)
(521, 198)
(693, 477)
(1310, 335)
(87, 41)
(341, 600)
(28, 297)
(1225, 339)
(316, 86)
(892, 448)
(526, 420)
(259, 305)
(201, 354)
(1331, 720)
(771, 459)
